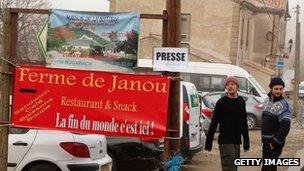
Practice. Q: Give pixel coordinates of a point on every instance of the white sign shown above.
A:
(170, 59)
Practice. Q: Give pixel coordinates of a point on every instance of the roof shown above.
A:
(266, 6)
(83, 42)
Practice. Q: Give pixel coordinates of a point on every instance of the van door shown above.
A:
(192, 97)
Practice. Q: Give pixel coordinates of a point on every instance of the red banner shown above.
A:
(90, 102)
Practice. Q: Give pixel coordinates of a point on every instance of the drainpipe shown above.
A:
(273, 32)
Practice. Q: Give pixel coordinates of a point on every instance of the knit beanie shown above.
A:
(232, 79)
(276, 81)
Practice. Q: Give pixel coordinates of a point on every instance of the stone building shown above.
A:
(247, 33)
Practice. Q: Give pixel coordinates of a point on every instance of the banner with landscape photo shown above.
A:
(94, 41)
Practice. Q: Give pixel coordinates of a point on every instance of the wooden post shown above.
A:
(173, 40)
(297, 65)
(5, 89)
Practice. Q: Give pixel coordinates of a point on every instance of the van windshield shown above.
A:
(257, 85)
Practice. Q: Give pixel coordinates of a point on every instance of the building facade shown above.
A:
(247, 33)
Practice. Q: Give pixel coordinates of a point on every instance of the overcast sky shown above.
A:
(291, 24)
(84, 5)
(290, 30)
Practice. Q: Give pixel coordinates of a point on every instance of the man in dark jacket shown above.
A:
(275, 122)
(230, 114)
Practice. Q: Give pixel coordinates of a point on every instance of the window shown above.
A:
(252, 90)
(206, 82)
(217, 83)
(257, 85)
(242, 84)
(186, 77)
(208, 102)
(246, 86)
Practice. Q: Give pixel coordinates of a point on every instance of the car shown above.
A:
(207, 112)
(47, 150)
(130, 153)
(253, 107)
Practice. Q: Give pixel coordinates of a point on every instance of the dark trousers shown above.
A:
(229, 152)
(270, 154)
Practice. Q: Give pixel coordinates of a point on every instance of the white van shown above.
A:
(193, 138)
(209, 77)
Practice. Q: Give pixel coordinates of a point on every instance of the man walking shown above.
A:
(230, 114)
(275, 122)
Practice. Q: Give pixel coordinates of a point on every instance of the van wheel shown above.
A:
(251, 121)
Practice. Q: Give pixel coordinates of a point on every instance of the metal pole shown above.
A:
(297, 65)
(4, 87)
(173, 40)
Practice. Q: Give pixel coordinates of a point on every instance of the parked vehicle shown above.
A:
(192, 138)
(253, 108)
(45, 150)
(129, 153)
(289, 92)
(146, 154)
(207, 111)
(209, 77)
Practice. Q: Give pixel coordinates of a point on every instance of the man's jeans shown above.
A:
(270, 154)
(229, 152)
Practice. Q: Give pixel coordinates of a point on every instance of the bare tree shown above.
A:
(28, 27)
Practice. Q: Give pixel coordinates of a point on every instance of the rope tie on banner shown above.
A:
(174, 163)
(176, 78)
(3, 124)
(6, 60)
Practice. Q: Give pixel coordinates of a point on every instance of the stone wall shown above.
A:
(211, 22)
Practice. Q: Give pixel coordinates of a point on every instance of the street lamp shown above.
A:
(287, 17)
